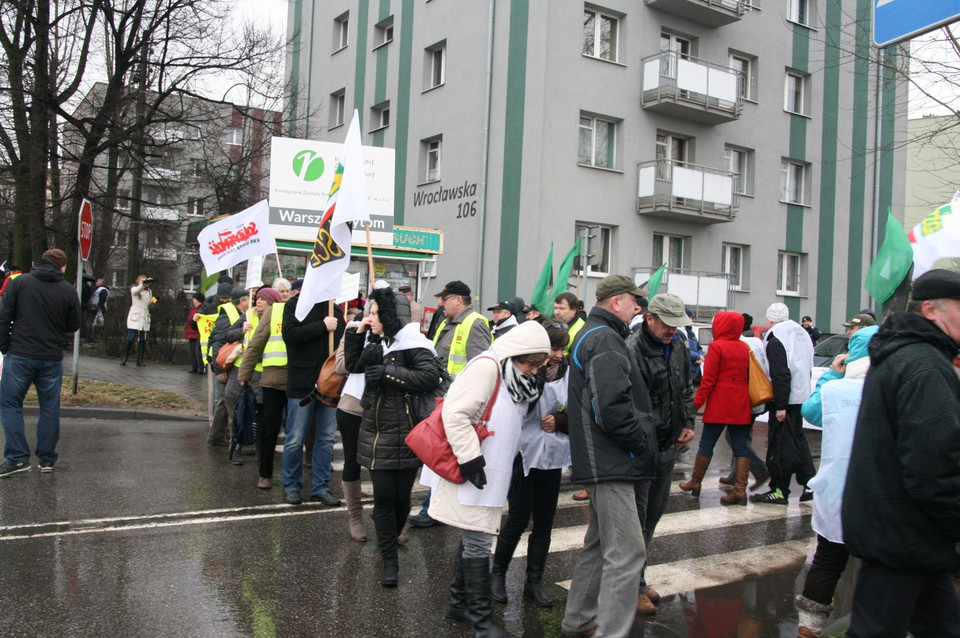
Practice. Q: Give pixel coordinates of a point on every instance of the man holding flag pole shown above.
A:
(313, 325)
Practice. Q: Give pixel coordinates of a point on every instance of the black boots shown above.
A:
(457, 594)
(476, 580)
(537, 551)
(501, 561)
(127, 347)
(386, 524)
(141, 347)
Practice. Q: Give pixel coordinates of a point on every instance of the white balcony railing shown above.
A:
(160, 254)
(671, 76)
(669, 185)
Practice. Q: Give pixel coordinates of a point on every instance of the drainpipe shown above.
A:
(306, 115)
(485, 152)
(877, 155)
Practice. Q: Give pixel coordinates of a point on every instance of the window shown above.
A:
(435, 67)
(674, 48)
(191, 283)
(668, 249)
(380, 116)
(672, 150)
(338, 105)
(197, 167)
(341, 31)
(793, 177)
(383, 32)
(739, 161)
(600, 35)
(430, 159)
(795, 93)
(732, 264)
(601, 242)
(598, 142)
(788, 273)
(746, 65)
(800, 11)
(233, 136)
(195, 206)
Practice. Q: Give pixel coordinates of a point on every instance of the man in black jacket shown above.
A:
(613, 446)
(37, 312)
(901, 502)
(664, 361)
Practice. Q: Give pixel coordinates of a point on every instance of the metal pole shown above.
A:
(877, 129)
(76, 335)
(485, 152)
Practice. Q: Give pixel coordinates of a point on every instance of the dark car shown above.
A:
(828, 348)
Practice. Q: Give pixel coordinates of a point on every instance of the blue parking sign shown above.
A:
(898, 20)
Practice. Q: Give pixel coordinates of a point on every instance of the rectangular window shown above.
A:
(233, 136)
(800, 11)
(195, 206)
(380, 116)
(197, 167)
(732, 264)
(793, 177)
(435, 66)
(599, 244)
(341, 31)
(600, 35)
(430, 159)
(338, 106)
(383, 32)
(598, 142)
(747, 80)
(795, 93)
(739, 161)
(788, 273)
(668, 249)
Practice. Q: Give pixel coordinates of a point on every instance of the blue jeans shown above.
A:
(711, 434)
(325, 422)
(18, 374)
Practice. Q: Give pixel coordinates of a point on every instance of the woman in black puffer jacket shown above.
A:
(396, 360)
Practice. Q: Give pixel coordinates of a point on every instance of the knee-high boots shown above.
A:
(141, 348)
(501, 562)
(700, 466)
(457, 594)
(476, 580)
(351, 494)
(127, 347)
(739, 494)
(386, 524)
(537, 551)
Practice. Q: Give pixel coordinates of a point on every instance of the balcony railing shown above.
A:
(161, 214)
(690, 88)
(160, 254)
(673, 189)
(712, 13)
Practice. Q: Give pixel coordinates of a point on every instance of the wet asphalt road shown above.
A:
(144, 530)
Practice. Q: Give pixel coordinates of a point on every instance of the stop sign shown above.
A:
(85, 230)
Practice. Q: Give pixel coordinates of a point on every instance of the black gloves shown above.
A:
(372, 355)
(473, 472)
(373, 374)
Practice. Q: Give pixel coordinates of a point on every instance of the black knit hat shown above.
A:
(387, 310)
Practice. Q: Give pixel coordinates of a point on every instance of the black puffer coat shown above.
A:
(387, 417)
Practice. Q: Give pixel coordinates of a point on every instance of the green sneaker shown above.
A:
(775, 497)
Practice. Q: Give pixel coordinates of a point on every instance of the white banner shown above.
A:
(237, 238)
(350, 289)
(935, 237)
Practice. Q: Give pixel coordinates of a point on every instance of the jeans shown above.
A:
(711, 434)
(18, 374)
(890, 602)
(325, 420)
(132, 335)
(829, 561)
(610, 562)
(652, 495)
(757, 467)
(349, 425)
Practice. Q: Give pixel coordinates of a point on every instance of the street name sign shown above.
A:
(898, 20)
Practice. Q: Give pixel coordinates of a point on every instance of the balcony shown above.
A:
(691, 89)
(711, 13)
(677, 190)
(160, 214)
(160, 254)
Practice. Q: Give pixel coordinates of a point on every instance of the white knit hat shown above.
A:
(778, 312)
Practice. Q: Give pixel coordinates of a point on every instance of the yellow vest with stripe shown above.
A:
(205, 327)
(275, 350)
(232, 314)
(457, 359)
(254, 320)
(575, 327)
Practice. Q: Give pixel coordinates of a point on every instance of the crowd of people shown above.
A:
(612, 394)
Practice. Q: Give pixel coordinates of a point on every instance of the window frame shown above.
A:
(341, 32)
(383, 32)
(667, 249)
(737, 279)
(788, 179)
(233, 136)
(606, 241)
(747, 84)
(431, 150)
(338, 108)
(380, 116)
(743, 184)
(783, 286)
(800, 108)
(431, 71)
(613, 130)
(595, 52)
(800, 12)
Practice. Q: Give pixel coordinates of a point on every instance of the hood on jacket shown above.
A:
(727, 326)
(527, 338)
(46, 270)
(386, 302)
(857, 346)
(903, 329)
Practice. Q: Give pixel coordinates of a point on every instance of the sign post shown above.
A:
(85, 241)
(898, 20)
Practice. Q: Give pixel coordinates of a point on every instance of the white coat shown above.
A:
(138, 318)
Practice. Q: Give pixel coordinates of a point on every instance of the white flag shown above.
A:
(331, 249)
(935, 237)
(237, 238)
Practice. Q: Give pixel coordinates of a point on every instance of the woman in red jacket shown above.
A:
(726, 392)
(192, 335)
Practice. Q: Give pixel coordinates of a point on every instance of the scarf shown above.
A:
(522, 389)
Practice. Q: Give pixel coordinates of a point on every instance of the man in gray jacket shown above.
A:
(613, 445)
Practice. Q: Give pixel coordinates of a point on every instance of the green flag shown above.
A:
(892, 263)
(539, 297)
(653, 284)
(560, 283)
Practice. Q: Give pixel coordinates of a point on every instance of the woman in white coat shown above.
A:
(138, 318)
(476, 506)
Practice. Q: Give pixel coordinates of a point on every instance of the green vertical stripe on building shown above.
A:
(360, 69)
(798, 151)
(858, 158)
(401, 111)
(888, 133)
(513, 150)
(828, 162)
(295, 67)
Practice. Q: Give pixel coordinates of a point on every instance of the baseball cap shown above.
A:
(529, 308)
(239, 293)
(806, 318)
(502, 305)
(297, 285)
(613, 285)
(456, 287)
(670, 309)
(860, 321)
(936, 284)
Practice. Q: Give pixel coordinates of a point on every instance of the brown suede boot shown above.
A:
(351, 494)
(699, 469)
(739, 494)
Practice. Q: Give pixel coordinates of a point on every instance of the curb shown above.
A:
(115, 414)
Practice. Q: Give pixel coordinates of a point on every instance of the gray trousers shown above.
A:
(652, 496)
(611, 560)
(477, 544)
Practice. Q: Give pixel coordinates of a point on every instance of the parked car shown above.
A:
(828, 348)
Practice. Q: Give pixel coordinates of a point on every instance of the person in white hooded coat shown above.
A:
(476, 506)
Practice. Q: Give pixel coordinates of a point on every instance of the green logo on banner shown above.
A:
(308, 165)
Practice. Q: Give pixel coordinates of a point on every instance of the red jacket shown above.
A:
(724, 387)
(188, 331)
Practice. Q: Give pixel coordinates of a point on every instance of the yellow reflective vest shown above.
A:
(575, 327)
(275, 350)
(457, 360)
(232, 313)
(254, 320)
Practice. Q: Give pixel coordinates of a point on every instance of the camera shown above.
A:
(148, 280)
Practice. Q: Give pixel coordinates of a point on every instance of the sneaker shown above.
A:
(235, 457)
(9, 468)
(806, 496)
(581, 496)
(422, 520)
(264, 483)
(326, 498)
(645, 607)
(774, 497)
(46, 467)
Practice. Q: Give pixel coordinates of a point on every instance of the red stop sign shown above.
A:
(85, 230)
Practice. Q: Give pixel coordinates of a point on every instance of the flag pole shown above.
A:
(279, 269)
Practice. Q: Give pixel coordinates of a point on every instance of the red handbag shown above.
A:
(428, 439)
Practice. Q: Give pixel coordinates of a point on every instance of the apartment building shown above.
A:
(733, 141)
